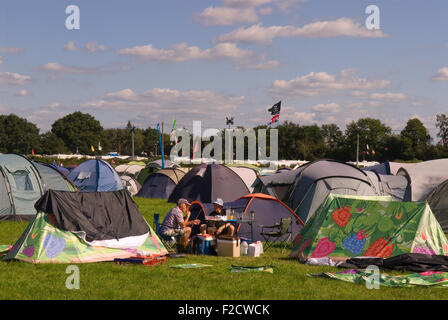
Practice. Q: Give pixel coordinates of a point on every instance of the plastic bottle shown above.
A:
(244, 246)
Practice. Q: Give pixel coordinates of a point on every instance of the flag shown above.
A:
(32, 151)
(367, 146)
(275, 113)
(99, 146)
(196, 148)
(92, 148)
(373, 152)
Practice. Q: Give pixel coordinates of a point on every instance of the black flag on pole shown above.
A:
(275, 112)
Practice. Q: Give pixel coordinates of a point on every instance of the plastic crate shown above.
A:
(144, 260)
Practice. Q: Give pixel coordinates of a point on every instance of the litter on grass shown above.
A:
(428, 278)
(269, 269)
(191, 266)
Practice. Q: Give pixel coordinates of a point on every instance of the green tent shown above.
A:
(20, 187)
(350, 226)
(42, 242)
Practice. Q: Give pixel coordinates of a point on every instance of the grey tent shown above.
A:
(317, 179)
(424, 177)
(207, 182)
(20, 187)
(128, 170)
(53, 178)
(438, 201)
(152, 167)
(388, 167)
(131, 185)
(248, 175)
(278, 184)
(388, 185)
(161, 183)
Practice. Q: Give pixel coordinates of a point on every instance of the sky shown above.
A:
(154, 61)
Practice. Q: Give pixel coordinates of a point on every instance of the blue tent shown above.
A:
(94, 176)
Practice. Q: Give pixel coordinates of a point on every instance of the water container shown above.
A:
(244, 247)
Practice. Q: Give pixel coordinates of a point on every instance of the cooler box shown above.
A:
(228, 247)
(205, 245)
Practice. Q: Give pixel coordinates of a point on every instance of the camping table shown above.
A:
(251, 223)
(236, 221)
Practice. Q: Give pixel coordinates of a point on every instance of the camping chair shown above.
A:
(168, 242)
(283, 233)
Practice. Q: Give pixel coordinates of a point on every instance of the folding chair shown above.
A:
(280, 232)
(168, 242)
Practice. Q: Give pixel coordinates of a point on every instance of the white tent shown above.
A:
(425, 176)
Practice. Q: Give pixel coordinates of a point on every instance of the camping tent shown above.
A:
(129, 170)
(267, 210)
(248, 175)
(52, 178)
(207, 182)
(77, 227)
(425, 176)
(351, 226)
(154, 166)
(20, 187)
(387, 185)
(438, 201)
(277, 184)
(131, 185)
(95, 175)
(317, 179)
(161, 183)
(388, 167)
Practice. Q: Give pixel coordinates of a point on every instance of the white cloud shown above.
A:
(389, 96)
(238, 11)
(158, 102)
(343, 27)
(441, 75)
(265, 65)
(11, 50)
(55, 67)
(330, 107)
(23, 93)
(95, 47)
(10, 78)
(322, 83)
(181, 52)
(70, 46)
(302, 117)
(222, 16)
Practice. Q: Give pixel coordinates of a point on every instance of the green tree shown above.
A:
(442, 125)
(79, 131)
(372, 133)
(415, 140)
(51, 144)
(17, 135)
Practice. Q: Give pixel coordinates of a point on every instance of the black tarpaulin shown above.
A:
(415, 262)
(100, 215)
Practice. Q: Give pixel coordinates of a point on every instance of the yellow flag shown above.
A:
(93, 149)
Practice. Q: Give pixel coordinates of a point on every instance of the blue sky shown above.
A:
(154, 61)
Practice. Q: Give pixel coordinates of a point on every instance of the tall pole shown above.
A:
(357, 149)
(132, 143)
(163, 160)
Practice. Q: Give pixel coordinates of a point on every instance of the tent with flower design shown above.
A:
(352, 226)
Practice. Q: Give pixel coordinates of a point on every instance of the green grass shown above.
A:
(106, 280)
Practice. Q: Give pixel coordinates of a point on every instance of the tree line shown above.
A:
(79, 132)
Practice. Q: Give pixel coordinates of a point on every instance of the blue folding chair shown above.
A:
(168, 242)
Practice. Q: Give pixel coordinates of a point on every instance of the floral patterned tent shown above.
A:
(351, 226)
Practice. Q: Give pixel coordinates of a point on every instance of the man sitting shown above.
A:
(174, 224)
(221, 227)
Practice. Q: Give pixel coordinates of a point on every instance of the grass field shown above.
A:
(106, 280)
